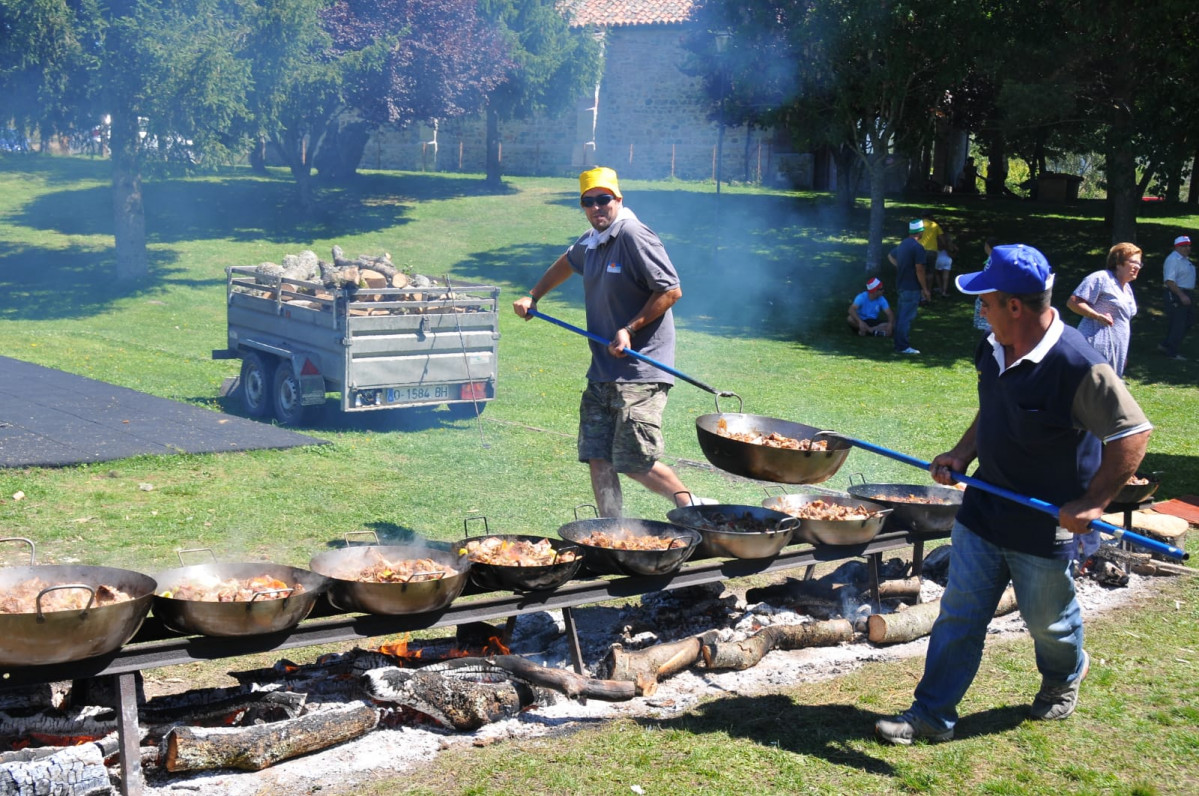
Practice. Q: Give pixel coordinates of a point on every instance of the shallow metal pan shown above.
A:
(763, 462)
(498, 577)
(832, 532)
(909, 514)
(268, 612)
(609, 561)
(42, 638)
(415, 597)
(724, 542)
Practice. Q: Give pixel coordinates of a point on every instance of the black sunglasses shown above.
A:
(602, 200)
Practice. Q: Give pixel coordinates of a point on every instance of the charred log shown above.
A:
(71, 771)
(254, 748)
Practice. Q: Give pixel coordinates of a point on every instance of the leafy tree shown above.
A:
(857, 76)
(403, 61)
(550, 65)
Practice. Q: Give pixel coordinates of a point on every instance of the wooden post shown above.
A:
(459, 154)
(672, 154)
(630, 154)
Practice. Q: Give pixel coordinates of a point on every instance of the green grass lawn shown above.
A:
(767, 276)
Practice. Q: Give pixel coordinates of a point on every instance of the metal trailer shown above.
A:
(380, 348)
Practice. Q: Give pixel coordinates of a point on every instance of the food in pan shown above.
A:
(410, 570)
(732, 523)
(500, 552)
(923, 500)
(232, 590)
(771, 440)
(22, 599)
(820, 510)
(631, 542)
(1136, 480)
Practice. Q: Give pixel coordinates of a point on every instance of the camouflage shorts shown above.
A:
(621, 422)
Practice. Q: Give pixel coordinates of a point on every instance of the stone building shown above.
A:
(646, 118)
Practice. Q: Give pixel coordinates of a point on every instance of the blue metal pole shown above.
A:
(634, 354)
(1033, 503)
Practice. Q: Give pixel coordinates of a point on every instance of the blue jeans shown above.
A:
(909, 302)
(978, 573)
(1179, 319)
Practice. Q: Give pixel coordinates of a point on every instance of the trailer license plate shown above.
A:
(432, 392)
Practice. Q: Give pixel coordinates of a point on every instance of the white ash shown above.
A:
(389, 752)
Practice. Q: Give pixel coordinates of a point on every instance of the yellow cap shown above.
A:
(599, 177)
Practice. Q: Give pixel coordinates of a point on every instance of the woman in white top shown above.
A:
(1106, 303)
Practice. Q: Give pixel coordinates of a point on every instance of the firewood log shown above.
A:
(740, 655)
(645, 668)
(917, 621)
(1162, 568)
(69, 771)
(906, 589)
(256, 747)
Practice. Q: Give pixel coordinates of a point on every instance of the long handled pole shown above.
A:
(1033, 503)
(634, 354)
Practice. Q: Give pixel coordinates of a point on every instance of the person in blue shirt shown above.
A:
(1056, 423)
(869, 312)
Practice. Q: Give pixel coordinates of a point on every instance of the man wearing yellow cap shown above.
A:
(629, 286)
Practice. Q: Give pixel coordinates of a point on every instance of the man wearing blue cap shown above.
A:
(910, 280)
(1056, 423)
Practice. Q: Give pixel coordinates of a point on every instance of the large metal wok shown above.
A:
(923, 509)
(268, 611)
(833, 532)
(611, 561)
(41, 638)
(1138, 493)
(750, 460)
(421, 594)
(568, 559)
(742, 458)
(724, 536)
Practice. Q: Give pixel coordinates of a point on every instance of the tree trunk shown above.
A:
(493, 179)
(129, 213)
(1193, 190)
(996, 181)
(846, 161)
(877, 166)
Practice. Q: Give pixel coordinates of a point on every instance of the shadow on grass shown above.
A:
(236, 205)
(831, 732)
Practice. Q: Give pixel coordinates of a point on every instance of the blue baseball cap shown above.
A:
(1016, 269)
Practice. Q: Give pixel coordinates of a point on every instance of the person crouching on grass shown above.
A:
(1054, 422)
(869, 312)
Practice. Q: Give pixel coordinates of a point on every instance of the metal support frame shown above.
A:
(155, 647)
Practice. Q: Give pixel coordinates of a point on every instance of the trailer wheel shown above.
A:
(255, 384)
(289, 409)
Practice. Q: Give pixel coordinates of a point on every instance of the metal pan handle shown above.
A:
(286, 591)
(32, 549)
(466, 524)
(591, 506)
(740, 403)
(371, 534)
(179, 554)
(82, 614)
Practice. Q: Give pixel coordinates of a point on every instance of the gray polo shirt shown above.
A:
(619, 275)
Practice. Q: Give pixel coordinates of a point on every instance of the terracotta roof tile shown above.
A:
(612, 13)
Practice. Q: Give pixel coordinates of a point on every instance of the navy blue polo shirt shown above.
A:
(1040, 432)
(907, 254)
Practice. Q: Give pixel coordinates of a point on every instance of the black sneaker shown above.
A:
(1055, 702)
(901, 730)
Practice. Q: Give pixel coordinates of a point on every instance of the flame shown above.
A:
(400, 651)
